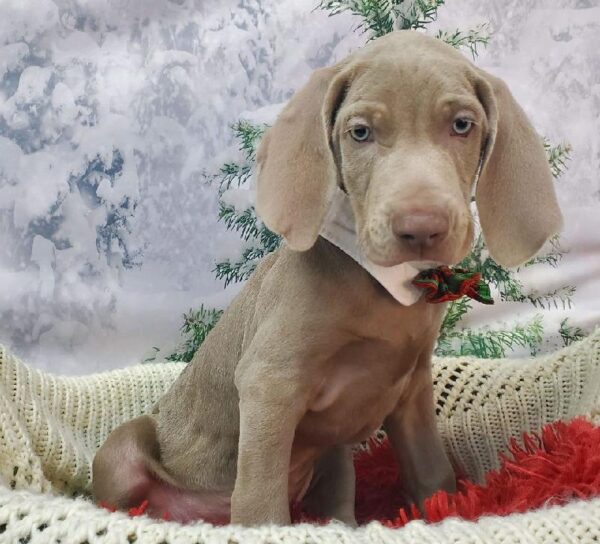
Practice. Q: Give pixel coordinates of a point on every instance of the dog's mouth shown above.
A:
(448, 252)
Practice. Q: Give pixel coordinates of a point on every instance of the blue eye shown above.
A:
(462, 127)
(360, 133)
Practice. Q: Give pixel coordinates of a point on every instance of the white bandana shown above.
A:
(339, 229)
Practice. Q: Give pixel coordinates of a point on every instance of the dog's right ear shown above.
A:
(296, 167)
(517, 203)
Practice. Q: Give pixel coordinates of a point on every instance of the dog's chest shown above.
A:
(358, 388)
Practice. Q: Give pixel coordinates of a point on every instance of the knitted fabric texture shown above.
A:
(50, 428)
(40, 520)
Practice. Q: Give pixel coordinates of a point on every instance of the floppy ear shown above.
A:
(515, 194)
(296, 168)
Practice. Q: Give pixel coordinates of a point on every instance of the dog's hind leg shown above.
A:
(127, 471)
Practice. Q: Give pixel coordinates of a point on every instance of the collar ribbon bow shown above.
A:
(443, 284)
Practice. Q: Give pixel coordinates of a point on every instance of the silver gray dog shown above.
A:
(314, 355)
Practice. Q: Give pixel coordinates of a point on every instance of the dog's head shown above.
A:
(404, 125)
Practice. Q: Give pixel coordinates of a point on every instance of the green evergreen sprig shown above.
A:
(468, 39)
(232, 174)
(261, 240)
(245, 222)
(240, 270)
(570, 333)
(487, 343)
(380, 17)
(196, 326)
(558, 156)
(415, 14)
(375, 14)
(456, 311)
(248, 136)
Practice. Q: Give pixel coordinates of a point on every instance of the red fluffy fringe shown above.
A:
(559, 464)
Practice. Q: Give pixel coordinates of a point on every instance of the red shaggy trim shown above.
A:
(559, 464)
(138, 510)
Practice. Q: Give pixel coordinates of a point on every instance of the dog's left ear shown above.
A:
(515, 194)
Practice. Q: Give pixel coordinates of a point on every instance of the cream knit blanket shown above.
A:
(51, 426)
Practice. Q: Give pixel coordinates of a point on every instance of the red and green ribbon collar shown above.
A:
(444, 284)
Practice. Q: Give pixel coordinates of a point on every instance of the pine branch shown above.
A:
(269, 241)
(457, 309)
(380, 17)
(245, 222)
(509, 287)
(249, 135)
(249, 226)
(486, 343)
(240, 270)
(415, 14)
(233, 272)
(562, 295)
(470, 39)
(570, 333)
(375, 14)
(558, 156)
(196, 326)
(232, 174)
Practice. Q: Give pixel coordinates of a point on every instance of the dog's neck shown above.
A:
(339, 229)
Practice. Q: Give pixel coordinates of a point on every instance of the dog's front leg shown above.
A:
(270, 408)
(332, 490)
(412, 430)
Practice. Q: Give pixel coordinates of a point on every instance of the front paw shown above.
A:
(253, 511)
(347, 519)
(445, 482)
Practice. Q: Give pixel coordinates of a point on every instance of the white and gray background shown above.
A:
(151, 87)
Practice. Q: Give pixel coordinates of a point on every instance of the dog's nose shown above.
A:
(421, 230)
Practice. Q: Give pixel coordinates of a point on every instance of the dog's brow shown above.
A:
(455, 102)
(365, 109)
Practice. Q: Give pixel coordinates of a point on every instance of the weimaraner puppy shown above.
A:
(314, 354)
